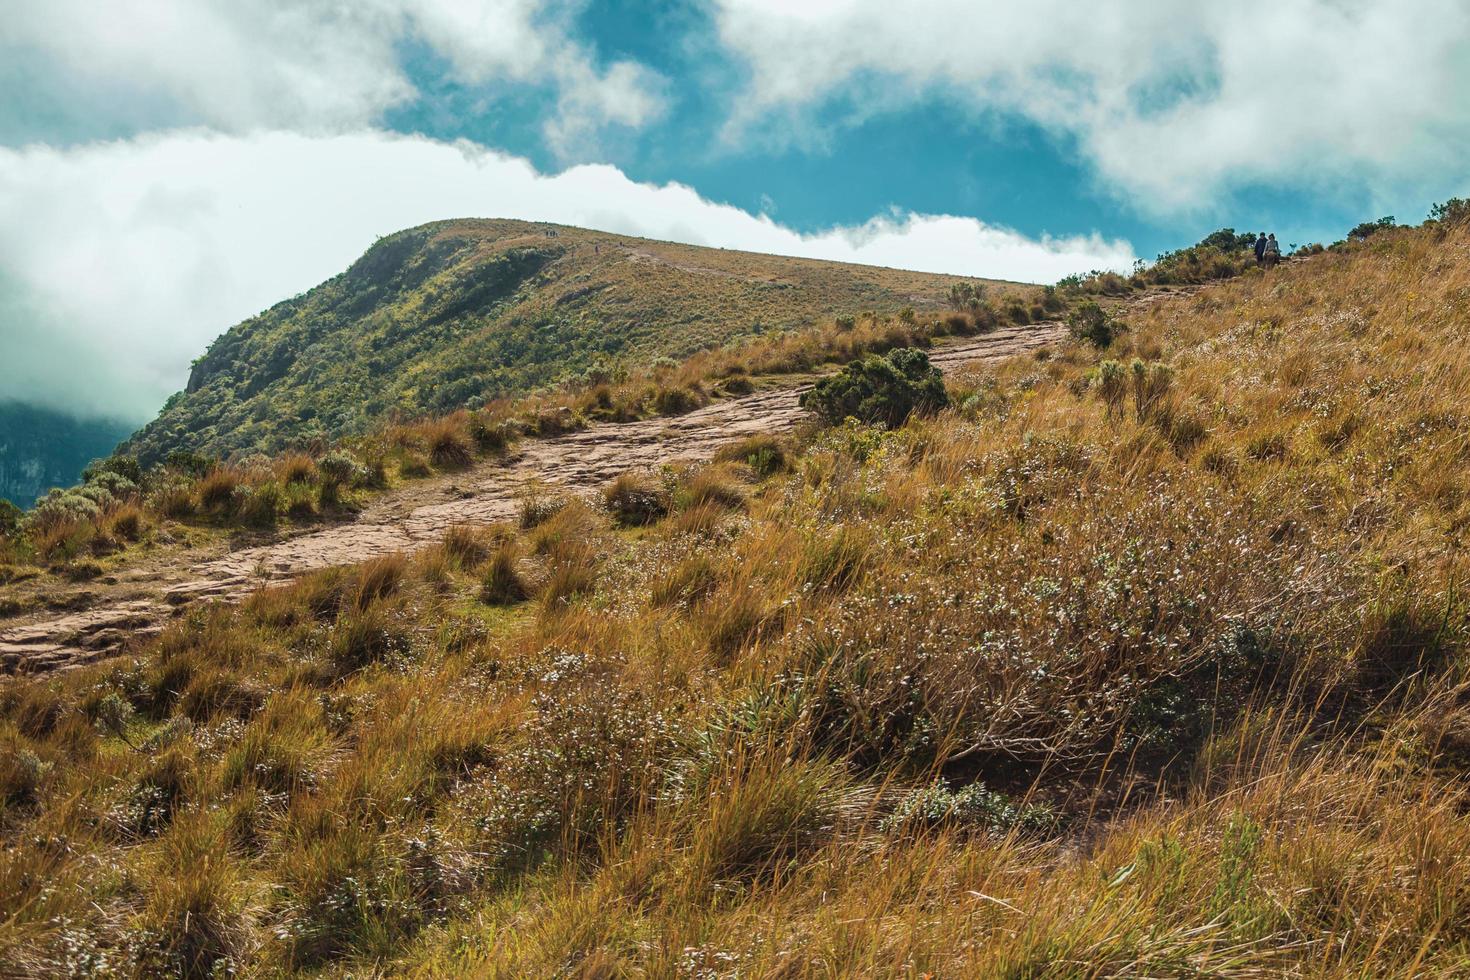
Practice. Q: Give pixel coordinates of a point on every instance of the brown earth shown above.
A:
(417, 514)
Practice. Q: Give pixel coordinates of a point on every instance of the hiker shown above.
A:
(1261, 249)
(1273, 252)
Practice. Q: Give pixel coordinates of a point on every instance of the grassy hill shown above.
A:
(457, 313)
(1149, 659)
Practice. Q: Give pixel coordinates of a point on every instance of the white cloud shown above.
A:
(119, 262)
(300, 64)
(1173, 104)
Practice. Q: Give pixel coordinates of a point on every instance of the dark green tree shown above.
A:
(1455, 211)
(1368, 229)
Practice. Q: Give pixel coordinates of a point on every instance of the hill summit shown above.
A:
(460, 312)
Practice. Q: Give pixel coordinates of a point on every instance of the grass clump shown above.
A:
(636, 499)
(765, 454)
(501, 581)
(449, 446)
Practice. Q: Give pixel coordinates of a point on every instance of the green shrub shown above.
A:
(675, 401)
(538, 508)
(491, 435)
(125, 467)
(967, 295)
(22, 774)
(1151, 382)
(340, 468)
(1368, 229)
(60, 507)
(881, 390)
(973, 808)
(10, 516)
(1017, 312)
(189, 463)
(173, 498)
(1455, 211)
(1091, 323)
(259, 506)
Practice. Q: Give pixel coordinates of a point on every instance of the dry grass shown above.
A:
(635, 499)
(1029, 688)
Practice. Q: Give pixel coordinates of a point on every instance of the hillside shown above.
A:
(1146, 659)
(459, 313)
(41, 449)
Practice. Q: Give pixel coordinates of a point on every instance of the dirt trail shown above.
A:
(418, 513)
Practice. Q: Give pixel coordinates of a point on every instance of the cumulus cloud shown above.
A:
(1173, 104)
(123, 260)
(77, 65)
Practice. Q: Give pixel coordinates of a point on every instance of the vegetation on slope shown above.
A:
(456, 314)
(122, 507)
(1065, 679)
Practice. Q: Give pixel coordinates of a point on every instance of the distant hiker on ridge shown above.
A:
(1261, 249)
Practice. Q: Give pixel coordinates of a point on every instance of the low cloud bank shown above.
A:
(119, 262)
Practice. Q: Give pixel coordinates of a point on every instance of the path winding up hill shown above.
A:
(418, 514)
(432, 318)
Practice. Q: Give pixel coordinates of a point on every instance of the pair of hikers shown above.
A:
(1268, 253)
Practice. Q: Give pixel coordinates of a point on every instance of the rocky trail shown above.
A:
(418, 513)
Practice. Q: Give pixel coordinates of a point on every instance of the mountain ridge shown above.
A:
(459, 312)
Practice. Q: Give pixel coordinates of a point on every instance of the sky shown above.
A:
(170, 167)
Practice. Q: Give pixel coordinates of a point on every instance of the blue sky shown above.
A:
(168, 167)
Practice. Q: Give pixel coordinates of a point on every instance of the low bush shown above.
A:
(883, 390)
(1092, 324)
(676, 401)
(1452, 213)
(259, 506)
(340, 469)
(538, 507)
(10, 517)
(971, 809)
(1151, 383)
(1112, 386)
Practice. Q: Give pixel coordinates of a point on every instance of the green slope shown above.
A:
(456, 313)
